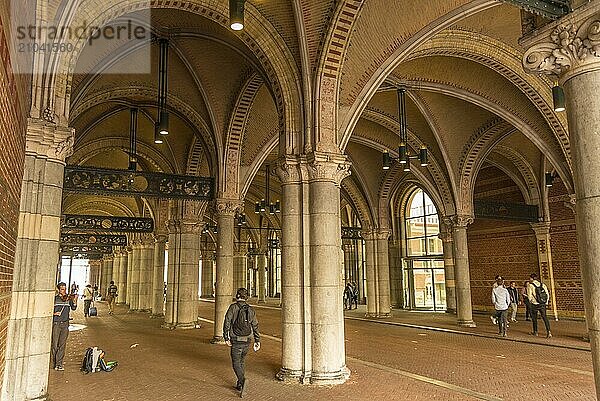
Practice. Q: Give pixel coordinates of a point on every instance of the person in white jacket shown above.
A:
(501, 301)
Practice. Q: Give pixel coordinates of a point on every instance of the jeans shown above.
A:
(238, 355)
(513, 311)
(500, 315)
(60, 332)
(86, 307)
(527, 308)
(534, 312)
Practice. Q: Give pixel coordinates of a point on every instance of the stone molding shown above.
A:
(182, 226)
(382, 234)
(328, 167)
(290, 170)
(541, 229)
(49, 140)
(228, 206)
(568, 47)
(160, 238)
(462, 221)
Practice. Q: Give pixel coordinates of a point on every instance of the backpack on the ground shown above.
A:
(242, 326)
(93, 361)
(541, 295)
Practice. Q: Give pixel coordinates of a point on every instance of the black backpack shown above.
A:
(541, 295)
(242, 326)
(88, 361)
(87, 365)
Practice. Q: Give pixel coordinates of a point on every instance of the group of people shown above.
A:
(534, 295)
(351, 295)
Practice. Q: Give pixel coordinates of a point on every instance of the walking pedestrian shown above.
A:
(111, 296)
(354, 295)
(514, 300)
(239, 326)
(88, 297)
(539, 296)
(525, 299)
(63, 305)
(501, 301)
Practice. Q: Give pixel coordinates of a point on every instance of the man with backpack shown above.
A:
(538, 296)
(239, 326)
(111, 296)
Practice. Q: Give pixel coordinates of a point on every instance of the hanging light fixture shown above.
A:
(133, 122)
(403, 154)
(549, 178)
(236, 14)
(157, 136)
(558, 98)
(163, 86)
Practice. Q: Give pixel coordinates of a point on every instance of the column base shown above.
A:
(157, 316)
(466, 323)
(384, 315)
(261, 301)
(451, 310)
(217, 340)
(330, 378)
(293, 376)
(179, 326)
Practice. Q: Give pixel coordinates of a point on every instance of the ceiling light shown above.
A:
(558, 98)
(236, 14)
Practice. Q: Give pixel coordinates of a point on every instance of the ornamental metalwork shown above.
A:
(551, 9)
(351, 233)
(77, 249)
(505, 211)
(92, 239)
(108, 223)
(98, 181)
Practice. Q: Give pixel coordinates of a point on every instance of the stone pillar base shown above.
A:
(451, 310)
(330, 378)
(157, 316)
(261, 302)
(370, 315)
(217, 340)
(384, 315)
(292, 376)
(178, 326)
(467, 323)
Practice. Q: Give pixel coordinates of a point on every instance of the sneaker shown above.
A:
(494, 321)
(504, 335)
(59, 368)
(242, 388)
(533, 333)
(548, 335)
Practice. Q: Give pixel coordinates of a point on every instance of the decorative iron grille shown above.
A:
(351, 233)
(93, 249)
(551, 9)
(98, 181)
(108, 223)
(92, 239)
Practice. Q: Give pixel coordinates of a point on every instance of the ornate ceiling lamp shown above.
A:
(236, 14)
(163, 81)
(403, 154)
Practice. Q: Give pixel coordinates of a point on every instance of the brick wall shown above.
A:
(509, 248)
(14, 100)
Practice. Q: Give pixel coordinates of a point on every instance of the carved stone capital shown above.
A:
(462, 221)
(159, 237)
(571, 203)
(290, 170)
(382, 234)
(191, 226)
(228, 206)
(541, 229)
(567, 47)
(328, 167)
(48, 140)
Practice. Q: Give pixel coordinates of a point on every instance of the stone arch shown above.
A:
(259, 36)
(235, 135)
(266, 150)
(360, 200)
(328, 75)
(373, 81)
(531, 191)
(505, 60)
(149, 153)
(434, 168)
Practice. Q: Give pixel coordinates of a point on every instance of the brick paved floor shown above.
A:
(387, 363)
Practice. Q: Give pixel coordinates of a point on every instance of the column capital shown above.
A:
(160, 237)
(49, 140)
(460, 220)
(567, 47)
(540, 229)
(291, 170)
(382, 234)
(333, 167)
(445, 236)
(226, 206)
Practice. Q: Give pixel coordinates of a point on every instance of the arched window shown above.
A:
(423, 262)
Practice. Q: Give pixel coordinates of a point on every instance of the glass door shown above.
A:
(425, 286)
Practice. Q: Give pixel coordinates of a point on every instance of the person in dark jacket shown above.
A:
(239, 342)
(526, 300)
(63, 305)
(514, 300)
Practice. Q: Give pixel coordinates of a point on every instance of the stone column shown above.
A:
(107, 268)
(207, 276)
(396, 279)
(224, 290)
(295, 276)
(94, 272)
(448, 247)
(575, 37)
(239, 269)
(325, 173)
(371, 262)
(134, 295)
(28, 337)
(158, 275)
(464, 307)
(116, 266)
(383, 273)
(122, 279)
(261, 271)
(146, 288)
(181, 309)
(544, 252)
(129, 275)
